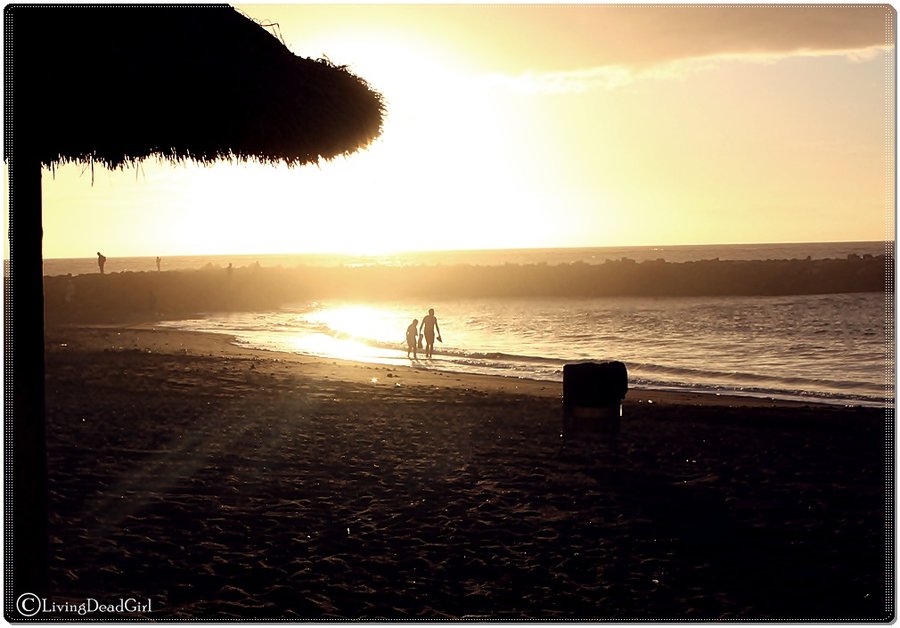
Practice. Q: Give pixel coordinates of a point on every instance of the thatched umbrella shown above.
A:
(115, 84)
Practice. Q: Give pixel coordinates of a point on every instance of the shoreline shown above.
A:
(147, 335)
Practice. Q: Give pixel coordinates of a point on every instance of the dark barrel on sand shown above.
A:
(592, 397)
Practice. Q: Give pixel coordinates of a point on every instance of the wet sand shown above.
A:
(220, 482)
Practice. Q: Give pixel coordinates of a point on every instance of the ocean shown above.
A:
(832, 348)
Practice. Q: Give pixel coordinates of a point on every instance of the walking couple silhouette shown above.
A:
(416, 332)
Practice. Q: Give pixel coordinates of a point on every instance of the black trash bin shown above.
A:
(592, 397)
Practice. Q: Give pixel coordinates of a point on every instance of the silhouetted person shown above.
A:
(158, 263)
(429, 325)
(411, 333)
(101, 261)
(229, 270)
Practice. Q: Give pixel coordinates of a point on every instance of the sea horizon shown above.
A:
(478, 257)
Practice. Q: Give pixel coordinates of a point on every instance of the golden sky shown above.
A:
(542, 126)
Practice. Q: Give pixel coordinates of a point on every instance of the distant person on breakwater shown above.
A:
(101, 261)
(429, 325)
(158, 263)
(411, 339)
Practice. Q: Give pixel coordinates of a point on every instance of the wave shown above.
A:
(654, 376)
(698, 382)
(642, 375)
(742, 376)
(641, 371)
(500, 357)
(874, 400)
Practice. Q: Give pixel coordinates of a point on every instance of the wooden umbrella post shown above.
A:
(26, 532)
(25, 490)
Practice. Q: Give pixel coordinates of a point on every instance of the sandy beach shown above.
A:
(219, 482)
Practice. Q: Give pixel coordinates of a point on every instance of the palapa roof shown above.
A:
(118, 83)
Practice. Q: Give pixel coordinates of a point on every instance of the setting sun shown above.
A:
(489, 144)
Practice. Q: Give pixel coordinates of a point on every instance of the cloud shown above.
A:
(641, 36)
(575, 81)
(615, 46)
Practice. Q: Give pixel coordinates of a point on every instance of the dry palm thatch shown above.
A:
(115, 84)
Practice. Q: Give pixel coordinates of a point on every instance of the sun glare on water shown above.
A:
(355, 332)
(345, 349)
